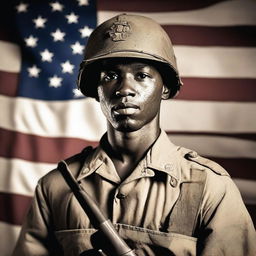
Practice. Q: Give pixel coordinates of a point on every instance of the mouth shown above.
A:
(125, 109)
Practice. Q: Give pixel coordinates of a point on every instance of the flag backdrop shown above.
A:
(44, 118)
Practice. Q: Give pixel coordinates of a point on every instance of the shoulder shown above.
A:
(54, 179)
(195, 168)
(194, 160)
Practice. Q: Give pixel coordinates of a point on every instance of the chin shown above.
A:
(126, 125)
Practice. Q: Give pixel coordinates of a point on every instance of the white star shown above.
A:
(83, 2)
(85, 31)
(56, 6)
(39, 22)
(22, 7)
(55, 81)
(72, 18)
(67, 67)
(34, 71)
(58, 35)
(77, 93)
(31, 41)
(46, 55)
(77, 48)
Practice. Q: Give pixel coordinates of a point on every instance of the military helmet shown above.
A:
(129, 36)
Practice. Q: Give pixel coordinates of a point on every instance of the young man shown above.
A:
(161, 198)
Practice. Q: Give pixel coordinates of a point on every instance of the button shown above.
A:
(173, 182)
(84, 171)
(169, 167)
(120, 196)
(193, 154)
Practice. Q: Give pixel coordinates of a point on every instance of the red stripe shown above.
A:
(212, 89)
(51, 150)
(152, 5)
(245, 136)
(218, 89)
(212, 36)
(13, 208)
(38, 148)
(252, 211)
(9, 83)
(242, 168)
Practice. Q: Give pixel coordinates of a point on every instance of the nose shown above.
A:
(126, 87)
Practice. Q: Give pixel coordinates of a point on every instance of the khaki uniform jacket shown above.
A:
(173, 203)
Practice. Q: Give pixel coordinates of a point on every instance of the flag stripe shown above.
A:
(205, 59)
(13, 207)
(212, 36)
(151, 6)
(52, 150)
(19, 203)
(9, 234)
(217, 146)
(245, 136)
(207, 89)
(39, 149)
(238, 117)
(206, 116)
(53, 119)
(195, 88)
(10, 57)
(247, 189)
(215, 62)
(9, 83)
(227, 13)
(218, 89)
(233, 166)
(20, 177)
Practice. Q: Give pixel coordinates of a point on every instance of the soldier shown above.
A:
(162, 199)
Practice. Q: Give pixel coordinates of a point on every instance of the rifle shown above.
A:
(98, 219)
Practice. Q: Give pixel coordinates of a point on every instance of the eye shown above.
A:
(142, 75)
(109, 76)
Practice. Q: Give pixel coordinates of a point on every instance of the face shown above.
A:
(130, 94)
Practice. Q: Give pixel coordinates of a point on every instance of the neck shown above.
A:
(133, 144)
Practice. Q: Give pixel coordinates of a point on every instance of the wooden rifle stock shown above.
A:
(95, 214)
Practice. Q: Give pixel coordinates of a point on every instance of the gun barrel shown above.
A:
(95, 214)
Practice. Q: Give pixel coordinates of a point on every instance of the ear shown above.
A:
(165, 93)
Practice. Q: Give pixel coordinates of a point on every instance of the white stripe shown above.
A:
(24, 176)
(227, 13)
(207, 116)
(9, 235)
(20, 176)
(78, 118)
(219, 62)
(216, 146)
(10, 57)
(247, 189)
(84, 119)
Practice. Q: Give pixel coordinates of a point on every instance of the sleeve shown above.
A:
(227, 228)
(36, 237)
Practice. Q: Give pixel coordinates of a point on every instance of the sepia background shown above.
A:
(44, 118)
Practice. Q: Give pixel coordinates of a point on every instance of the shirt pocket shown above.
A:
(75, 242)
(152, 243)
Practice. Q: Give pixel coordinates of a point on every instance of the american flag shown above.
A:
(44, 118)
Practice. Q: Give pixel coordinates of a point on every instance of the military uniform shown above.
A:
(173, 203)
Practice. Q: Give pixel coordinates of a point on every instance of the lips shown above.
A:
(125, 108)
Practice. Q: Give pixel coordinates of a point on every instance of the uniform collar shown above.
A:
(163, 156)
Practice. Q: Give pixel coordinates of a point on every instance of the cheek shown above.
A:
(104, 103)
